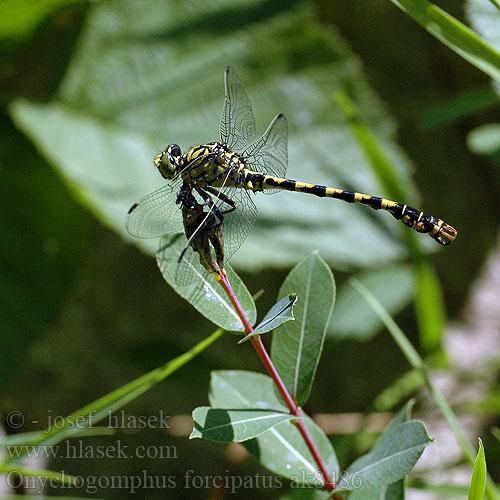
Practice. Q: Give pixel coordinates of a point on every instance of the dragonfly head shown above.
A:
(168, 160)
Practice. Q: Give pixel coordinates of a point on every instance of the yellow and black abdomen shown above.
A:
(413, 218)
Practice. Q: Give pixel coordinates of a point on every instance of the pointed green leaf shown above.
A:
(243, 389)
(394, 456)
(283, 451)
(403, 415)
(417, 362)
(478, 480)
(394, 491)
(281, 312)
(282, 448)
(297, 348)
(205, 294)
(238, 425)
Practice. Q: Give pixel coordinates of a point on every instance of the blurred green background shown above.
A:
(92, 91)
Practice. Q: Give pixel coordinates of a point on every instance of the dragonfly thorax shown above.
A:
(212, 163)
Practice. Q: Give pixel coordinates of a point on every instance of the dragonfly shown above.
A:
(212, 185)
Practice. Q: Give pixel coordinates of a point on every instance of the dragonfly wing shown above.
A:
(269, 154)
(157, 213)
(238, 223)
(188, 270)
(237, 124)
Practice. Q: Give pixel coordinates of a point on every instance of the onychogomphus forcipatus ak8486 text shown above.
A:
(208, 190)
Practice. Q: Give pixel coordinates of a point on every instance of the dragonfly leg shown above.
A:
(202, 229)
(224, 198)
(210, 202)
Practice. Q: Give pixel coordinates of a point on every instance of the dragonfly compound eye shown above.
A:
(165, 161)
(174, 150)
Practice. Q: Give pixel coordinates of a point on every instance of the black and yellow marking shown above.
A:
(215, 165)
(443, 233)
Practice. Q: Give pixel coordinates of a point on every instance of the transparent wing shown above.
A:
(157, 213)
(238, 223)
(269, 154)
(236, 227)
(237, 124)
(188, 270)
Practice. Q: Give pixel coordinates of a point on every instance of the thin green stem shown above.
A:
(273, 373)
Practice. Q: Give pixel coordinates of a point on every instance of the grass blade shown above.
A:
(478, 481)
(100, 408)
(429, 304)
(416, 362)
(453, 34)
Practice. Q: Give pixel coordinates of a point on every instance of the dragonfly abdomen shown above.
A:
(411, 217)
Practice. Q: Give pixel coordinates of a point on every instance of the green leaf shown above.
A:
(453, 34)
(394, 456)
(353, 318)
(283, 451)
(235, 425)
(281, 312)
(254, 390)
(297, 348)
(395, 491)
(243, 389)
(403, 415)
(478, 480)
(134, 86)
(205, 294)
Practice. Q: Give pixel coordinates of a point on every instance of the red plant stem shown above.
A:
(265, 358)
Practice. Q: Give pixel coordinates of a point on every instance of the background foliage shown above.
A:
(92, 91)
